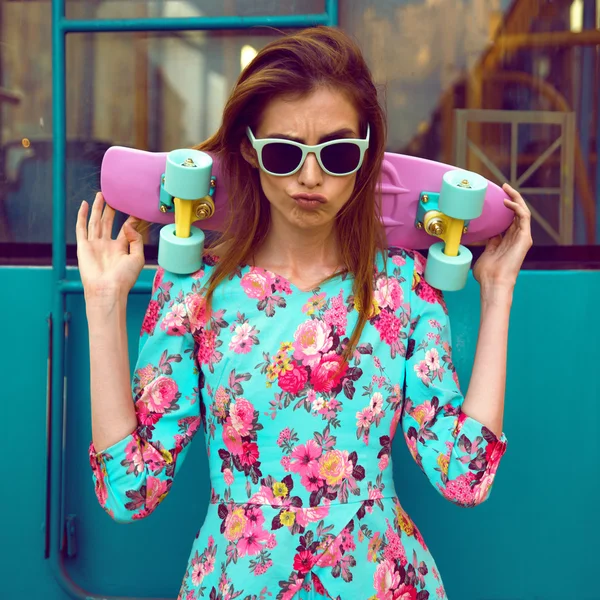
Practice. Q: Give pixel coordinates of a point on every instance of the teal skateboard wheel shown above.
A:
(462, 195)
(187, 174)
(180, 255)
(447, 273)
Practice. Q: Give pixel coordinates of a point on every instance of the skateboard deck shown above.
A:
(131, 181)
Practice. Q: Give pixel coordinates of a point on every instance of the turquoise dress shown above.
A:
(299, 442)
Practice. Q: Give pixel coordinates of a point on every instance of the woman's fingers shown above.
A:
(81, 233)
(94, 226)
(108, 217)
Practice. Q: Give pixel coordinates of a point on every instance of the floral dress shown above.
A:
(299, 441)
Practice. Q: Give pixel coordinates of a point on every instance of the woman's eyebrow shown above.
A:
(346, 132)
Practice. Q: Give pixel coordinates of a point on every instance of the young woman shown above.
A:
(300, 346)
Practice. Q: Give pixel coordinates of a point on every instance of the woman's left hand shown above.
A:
(501, 261)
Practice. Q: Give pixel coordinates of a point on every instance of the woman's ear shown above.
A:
(249, 153)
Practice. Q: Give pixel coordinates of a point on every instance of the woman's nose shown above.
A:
(311, 173)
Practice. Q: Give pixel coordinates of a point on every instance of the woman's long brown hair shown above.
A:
(295, 65)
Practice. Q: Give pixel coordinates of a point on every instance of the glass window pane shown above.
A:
(117, 9)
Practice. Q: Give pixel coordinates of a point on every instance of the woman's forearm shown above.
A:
(113, 412)
(484, 400)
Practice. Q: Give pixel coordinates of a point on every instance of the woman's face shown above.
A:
(320, 116)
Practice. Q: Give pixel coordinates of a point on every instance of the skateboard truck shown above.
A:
(446, 215)
(187, 188)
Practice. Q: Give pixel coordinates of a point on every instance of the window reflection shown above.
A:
(507, 88)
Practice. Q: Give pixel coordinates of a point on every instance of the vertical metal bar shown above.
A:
(586, 90)
(567, 179)
(514, 151)
(332, 10)
(58, 264)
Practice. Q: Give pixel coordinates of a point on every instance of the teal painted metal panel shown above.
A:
(543, 504)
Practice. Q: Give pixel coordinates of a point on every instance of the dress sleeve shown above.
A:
(134, 475)
(458, 454)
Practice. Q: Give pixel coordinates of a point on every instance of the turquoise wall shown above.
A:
(537, 536)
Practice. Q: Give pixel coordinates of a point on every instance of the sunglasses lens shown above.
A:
(341, 158)
(281, 158)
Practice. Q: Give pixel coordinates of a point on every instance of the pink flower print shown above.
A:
(241, 342)
(427, 293)
(383, 462)
(347, 541)
(432, 358)
(304, 457)
(337, 315)
(156, 490)
(311, 478)
(257, 284)
(282, 285)
(376, 403)
(399, 261)
(405, 592)
(146, 375)
(196, 309)
(134, 458)
(172, 322)
(284, 436)
(440, 592)
(271, 541)
(328, 373)
(422, 372)
(235, 524)
(285, 463)
(151, 317)
(388, 293)
(255, 517)
(304, 516)
(158, 279)
(376, 363)
(459, 490)
(242, 415)
(423, 413)
(198, 572)
(364, 417)
(199, 274)
(334, 466)
(311, 339)
(294, 380)
(251, 542)
(389, 327)
(228, 476)
(160, 394)
(394, 551)
(304, 561)
(315, 303)
(375, 493)
(249, 454)
(232, 439)
(385, 579)
(221, 400)
(332, 552)
(206, 346)
(318, 404)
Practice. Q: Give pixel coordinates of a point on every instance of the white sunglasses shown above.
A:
(343, 156)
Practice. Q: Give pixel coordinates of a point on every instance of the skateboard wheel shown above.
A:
(447, 273)
(462, 195)
(187, 174)
(180, 255)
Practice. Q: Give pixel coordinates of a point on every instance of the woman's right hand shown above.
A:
(108, 268)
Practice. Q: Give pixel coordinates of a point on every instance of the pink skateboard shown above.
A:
(422, 201)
